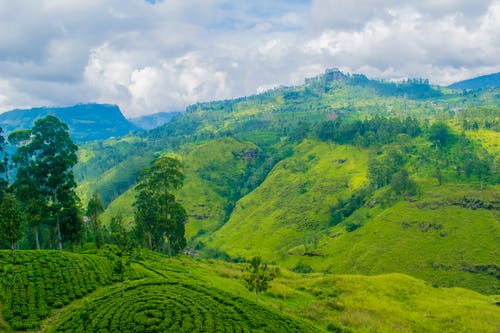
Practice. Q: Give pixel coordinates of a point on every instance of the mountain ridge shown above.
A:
(478, 82)
(86, 122)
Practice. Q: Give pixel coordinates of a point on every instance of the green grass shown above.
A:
(385, 303)
(449, 246)
(213, 175)
(292, 205)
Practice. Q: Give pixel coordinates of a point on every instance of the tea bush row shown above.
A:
(168, 306)
(38, 281)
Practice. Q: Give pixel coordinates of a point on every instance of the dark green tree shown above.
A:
(440, 135)
(401, 183)
(124, 241)
(45, 157)
(158, 215)
(95, 208)
(10, 220)
(257, 276)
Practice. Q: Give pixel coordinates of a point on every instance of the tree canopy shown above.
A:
(157, 213)
(45, 183)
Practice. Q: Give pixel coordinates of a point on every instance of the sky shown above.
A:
(149, 56)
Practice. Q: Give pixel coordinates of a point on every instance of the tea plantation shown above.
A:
(174, 306)
(58, 291)
(39, 281)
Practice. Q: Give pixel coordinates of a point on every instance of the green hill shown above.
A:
(291, 174)
(87, 122)
(447, 234)
(480, 82)
(292, 205)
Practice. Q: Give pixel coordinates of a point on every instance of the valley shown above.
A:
(377, 202)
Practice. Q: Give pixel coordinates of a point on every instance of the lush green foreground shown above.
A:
(80, 292)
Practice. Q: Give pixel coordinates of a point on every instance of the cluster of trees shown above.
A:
(375, 131)
(40, 205)
(159, 216)
(42, 194)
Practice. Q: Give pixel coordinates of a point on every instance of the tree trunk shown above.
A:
(169, 247)
(13, 248)
(37, 238)
(58, 225)
(150, 244)
(59, 237)
(256, 296)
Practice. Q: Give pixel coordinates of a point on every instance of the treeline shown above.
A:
(40, 210)
(375, 131)
(416, 88)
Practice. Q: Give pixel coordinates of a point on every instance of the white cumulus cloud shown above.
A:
(150, 56)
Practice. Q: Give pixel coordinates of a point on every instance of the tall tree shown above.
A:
(124, 241)
(95, 208)
(4, 179)
(45, 157)
(158, 215)
(10, 220)
(440, 135)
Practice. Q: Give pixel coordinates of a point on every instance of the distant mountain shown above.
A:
(87, 122)
(151, 121)
(485, 81)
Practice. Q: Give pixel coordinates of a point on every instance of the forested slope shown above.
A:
(342, 174)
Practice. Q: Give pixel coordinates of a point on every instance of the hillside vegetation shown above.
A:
(342, 174)
(186, 295)
(373, 200)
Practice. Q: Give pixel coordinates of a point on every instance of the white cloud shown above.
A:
(149, 57)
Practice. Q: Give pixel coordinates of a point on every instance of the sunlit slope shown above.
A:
(442, 238)
(293, 203)
(189, 295)
(214, 173)
(386, 303)
(448, 235)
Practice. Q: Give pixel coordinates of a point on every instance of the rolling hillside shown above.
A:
(186, 295)
(288, 174)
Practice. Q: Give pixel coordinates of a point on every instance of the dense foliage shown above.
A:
(44, 181)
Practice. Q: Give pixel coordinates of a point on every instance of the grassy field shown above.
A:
(292, 205)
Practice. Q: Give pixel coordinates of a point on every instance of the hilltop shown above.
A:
(480, 82)
(87, 122)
